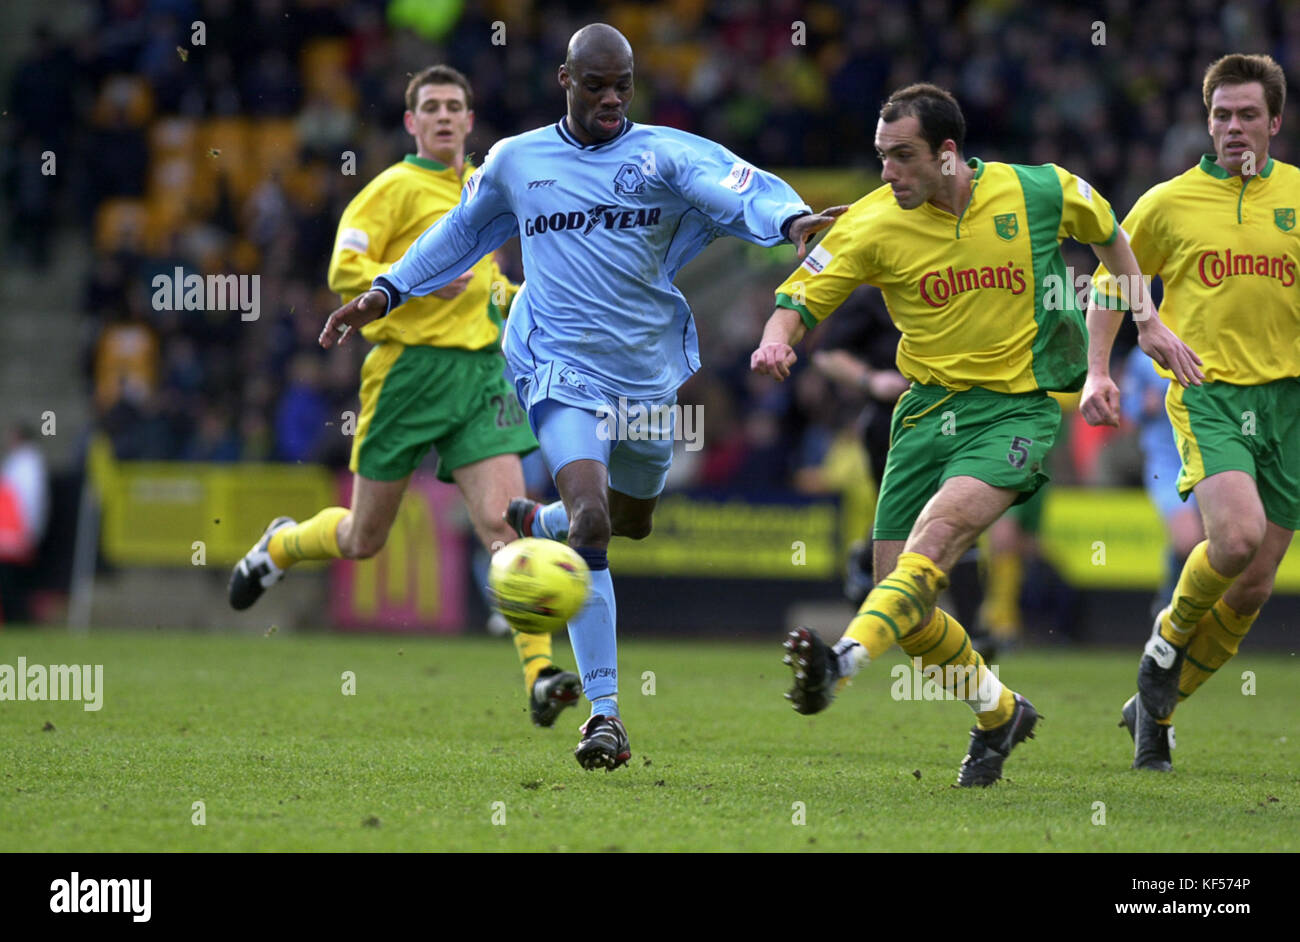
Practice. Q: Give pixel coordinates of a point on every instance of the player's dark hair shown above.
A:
(1238, 69)
(437, 75)
(934, 108)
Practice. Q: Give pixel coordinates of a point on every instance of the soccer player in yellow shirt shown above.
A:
(1223, 238)
(967, 254)
(434, 378)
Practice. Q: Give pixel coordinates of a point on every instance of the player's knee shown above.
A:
(1237, 544)
(589, 524)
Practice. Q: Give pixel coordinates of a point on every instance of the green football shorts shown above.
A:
(455, 400)
(1255, 429)
(1001, 439)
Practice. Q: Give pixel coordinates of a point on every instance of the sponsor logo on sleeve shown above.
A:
(739, 179)
(471, 185)
(355, 239)
(1085, 188)
(817, 260)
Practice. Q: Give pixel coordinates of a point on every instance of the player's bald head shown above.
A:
(597, 80)
(600, 47)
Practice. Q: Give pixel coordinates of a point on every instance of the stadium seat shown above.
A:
(321, 59)
(173, 137)
(276, 146)
(123, 99)
(120, 224)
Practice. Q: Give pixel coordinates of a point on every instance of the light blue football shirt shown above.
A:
(604, 229)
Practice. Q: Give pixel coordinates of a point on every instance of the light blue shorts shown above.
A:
(574, 419)
(1160, 478)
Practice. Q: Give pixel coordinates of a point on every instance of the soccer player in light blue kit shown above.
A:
(1143, 403)
(607, 212)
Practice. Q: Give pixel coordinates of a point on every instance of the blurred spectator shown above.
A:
(31, 191)
(215, 439)
(126, 362)
(303, 413)
(41, 93)
(118, 142)
(24, 511)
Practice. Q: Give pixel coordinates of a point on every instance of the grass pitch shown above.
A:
(435, 752)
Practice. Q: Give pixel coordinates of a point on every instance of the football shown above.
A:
(538, 584)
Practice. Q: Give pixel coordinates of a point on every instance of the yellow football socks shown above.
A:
(316, 538)
(1213, 644)
(534, 653)
(897, 604)
(1006, 574)
(1199, 587)
(943, 643)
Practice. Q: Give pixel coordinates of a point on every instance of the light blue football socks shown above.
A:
(593, 637)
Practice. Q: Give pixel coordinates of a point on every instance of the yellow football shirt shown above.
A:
(380, 224)
(1226, 249)
(981, 300)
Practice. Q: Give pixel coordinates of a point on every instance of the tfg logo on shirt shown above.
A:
(76, 895)
(603, 215)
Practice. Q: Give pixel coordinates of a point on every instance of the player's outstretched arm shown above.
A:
(775, 354)
(741, 199)
(476, 226)
(358, 312)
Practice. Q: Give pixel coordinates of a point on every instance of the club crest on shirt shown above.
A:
(629, 181)
(1284, 219)
(1006, 226)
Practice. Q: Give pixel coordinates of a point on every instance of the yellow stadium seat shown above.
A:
(123, 97)
(226, 151)
(172, 137)
(276, 146)
(120, 224)
(321, 61)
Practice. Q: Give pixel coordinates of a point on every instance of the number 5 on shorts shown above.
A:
(1019, 451)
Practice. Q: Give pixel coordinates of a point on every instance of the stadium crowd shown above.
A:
(237, 154)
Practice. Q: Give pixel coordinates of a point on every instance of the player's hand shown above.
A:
(805, 226)
(1099, 403)
(449, 291)
(773, 359)
(1159, 343)
(358, 312)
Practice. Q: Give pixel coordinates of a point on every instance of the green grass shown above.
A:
(257, 728)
